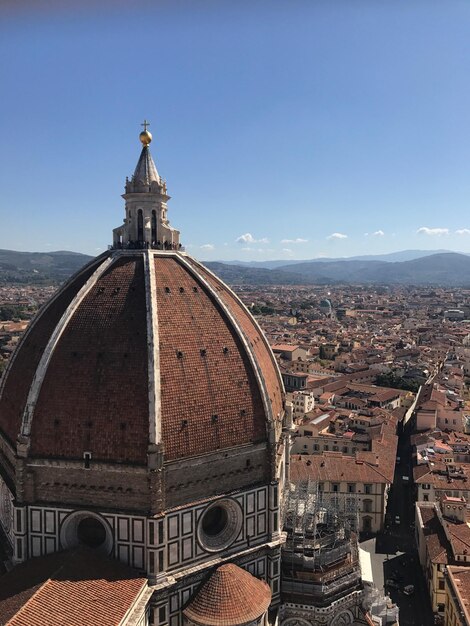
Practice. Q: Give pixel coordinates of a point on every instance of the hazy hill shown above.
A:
(403, 255)
(240, 275)
(439, 269)
(449, 268)
(39, 267)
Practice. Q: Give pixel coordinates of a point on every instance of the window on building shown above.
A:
(325, 448)
(351, 488)
(335, 487)
(425, 497)
(368, 489)
(154, 226)
(442, 585)
(367, 506)
(316, 447)
(140, 226)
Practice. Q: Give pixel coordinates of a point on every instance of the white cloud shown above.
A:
(287, 251)
(433, 232)
(379, 233)
(298, 240)
(248, 238)
(257, 250)
(207, 246)
(463, 231)
(337, 236)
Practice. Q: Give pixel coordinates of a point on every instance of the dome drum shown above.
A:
(231, 469)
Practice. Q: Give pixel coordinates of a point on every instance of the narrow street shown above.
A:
(397, 547)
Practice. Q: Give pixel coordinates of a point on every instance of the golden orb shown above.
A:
(145, 137)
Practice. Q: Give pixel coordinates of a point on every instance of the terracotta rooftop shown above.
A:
(213, 365)
(335, 467)
(460, 580)
(438, 547)
(231, 597)
(69, 589)
(284, 347)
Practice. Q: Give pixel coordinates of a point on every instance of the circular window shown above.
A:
(214, 521)
(91, 532)
(84, 528)
(220, 525)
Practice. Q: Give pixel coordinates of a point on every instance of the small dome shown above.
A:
(231, 597)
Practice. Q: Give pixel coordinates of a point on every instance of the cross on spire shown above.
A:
(145, 124)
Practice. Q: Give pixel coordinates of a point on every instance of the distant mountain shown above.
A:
(269, 265)
(403, 255)
(449, 268)
(39, 267)
(239, 275)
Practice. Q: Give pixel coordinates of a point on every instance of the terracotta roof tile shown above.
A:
(95, 393)
(231, 597)
(334, 467)
(210, 399)
(29, 352)
(261, 350)
(68, 589)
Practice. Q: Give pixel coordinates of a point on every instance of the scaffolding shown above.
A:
(315, 520)
(320, 555)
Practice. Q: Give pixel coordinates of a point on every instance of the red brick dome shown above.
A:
(140, 347)
(231, 597)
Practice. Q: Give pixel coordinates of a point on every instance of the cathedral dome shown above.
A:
(142, 417)
(144, 355)
(140, 348)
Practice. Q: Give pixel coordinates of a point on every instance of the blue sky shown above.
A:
(300, 129)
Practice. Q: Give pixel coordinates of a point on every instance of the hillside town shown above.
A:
(377, 381)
